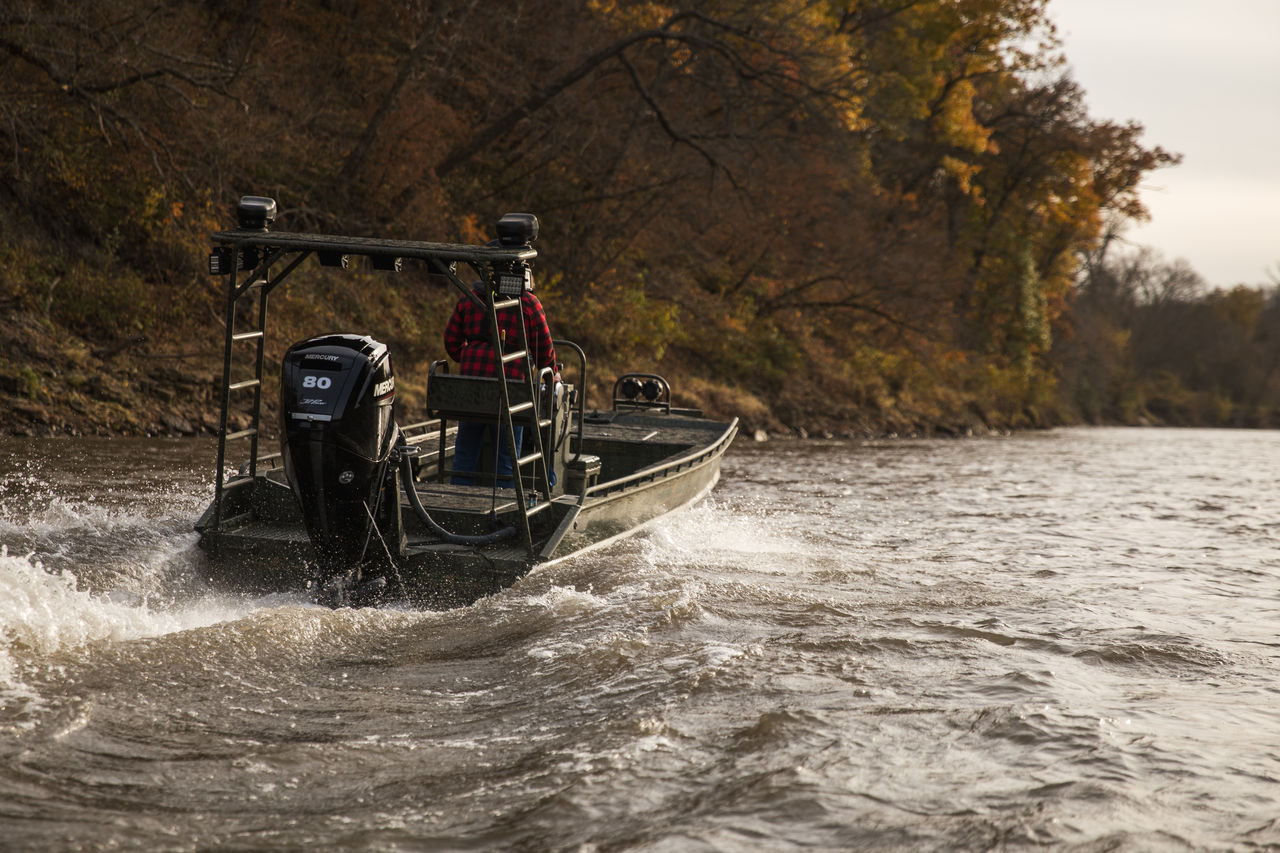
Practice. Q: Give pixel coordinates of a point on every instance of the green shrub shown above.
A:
(99, 304)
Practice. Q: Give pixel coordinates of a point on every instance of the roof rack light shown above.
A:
(224, 260)
(514, 282)
(517, 229)
(255, 213)
(221, 260)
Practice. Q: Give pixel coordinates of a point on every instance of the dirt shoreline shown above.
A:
(56, 384)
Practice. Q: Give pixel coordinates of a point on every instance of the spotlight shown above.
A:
(513, 282)
(220, 261)
(517, 229)
(224, 259)
(255, 213)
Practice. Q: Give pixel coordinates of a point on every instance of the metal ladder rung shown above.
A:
(244, 433)
(505, 304)
(536, 508)
(237, 483)
(247, 383)
(514, 356)
(532, 457)
(521, 407)
(247, 336)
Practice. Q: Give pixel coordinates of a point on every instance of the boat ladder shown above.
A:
(256, 338)
(519, 402)
(508, 412)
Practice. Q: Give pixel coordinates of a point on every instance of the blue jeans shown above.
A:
(470, 444)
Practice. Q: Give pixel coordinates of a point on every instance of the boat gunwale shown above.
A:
(666, 466)
(600, 490)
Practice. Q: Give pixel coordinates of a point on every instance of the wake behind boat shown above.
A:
(355, 506)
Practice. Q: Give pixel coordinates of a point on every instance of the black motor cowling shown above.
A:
(337, 394)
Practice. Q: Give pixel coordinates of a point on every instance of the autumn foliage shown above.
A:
(867, 215)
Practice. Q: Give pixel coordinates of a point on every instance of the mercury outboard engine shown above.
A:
(336, 395)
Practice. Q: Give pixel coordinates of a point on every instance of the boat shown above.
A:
(355, 508)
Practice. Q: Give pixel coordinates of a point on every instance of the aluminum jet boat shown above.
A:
(356, 507)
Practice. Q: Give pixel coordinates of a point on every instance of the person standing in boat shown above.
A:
(467, 341)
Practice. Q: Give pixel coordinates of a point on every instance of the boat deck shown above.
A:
(475, 499)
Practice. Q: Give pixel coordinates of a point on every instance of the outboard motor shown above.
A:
(336, 395)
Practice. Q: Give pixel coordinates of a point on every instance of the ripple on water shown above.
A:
(1062, 639)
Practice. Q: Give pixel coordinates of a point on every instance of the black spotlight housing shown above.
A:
(517, 229)
(221, 259)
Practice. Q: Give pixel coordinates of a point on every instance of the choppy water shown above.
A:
(1068, 640)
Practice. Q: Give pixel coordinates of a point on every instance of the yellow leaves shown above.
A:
(957, 122)
(640, 16)
(963, 173)
(472, 229)
(635, 323)
(1119, 339)
(852, 115)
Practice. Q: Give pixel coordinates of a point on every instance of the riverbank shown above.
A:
(56, 383)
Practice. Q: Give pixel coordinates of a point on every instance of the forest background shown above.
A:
(858, 217)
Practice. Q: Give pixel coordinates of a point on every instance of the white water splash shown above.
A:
(46, 621)
(46, 613)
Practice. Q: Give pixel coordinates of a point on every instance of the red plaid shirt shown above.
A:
(467, 338)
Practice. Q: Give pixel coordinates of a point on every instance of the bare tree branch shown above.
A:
(668, 32)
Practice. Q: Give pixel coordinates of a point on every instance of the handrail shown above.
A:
(582, 385)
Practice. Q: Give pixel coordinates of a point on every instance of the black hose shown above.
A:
(406, 479)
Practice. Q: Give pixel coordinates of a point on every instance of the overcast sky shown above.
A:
(1203, 78)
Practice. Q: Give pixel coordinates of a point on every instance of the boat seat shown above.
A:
(476, 398)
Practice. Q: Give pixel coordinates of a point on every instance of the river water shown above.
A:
(1067, 639)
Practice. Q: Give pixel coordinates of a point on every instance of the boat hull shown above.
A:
(261, 544)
